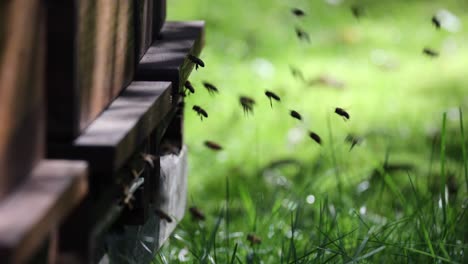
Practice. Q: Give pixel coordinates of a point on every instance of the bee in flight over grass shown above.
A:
(430, 52)
(196, 60)
(254, 239)
(210, 87)
(213, 145)
(163, 215)
(357, 11)
(200, 111)
(315, 137)
(353, 140)
(341, 112)
(297, 73)
(295, 115)
(435, 21)
(247, 104)
(302, 35)
(298, 12)
(272, 95)
(197, 214)
(189, 87)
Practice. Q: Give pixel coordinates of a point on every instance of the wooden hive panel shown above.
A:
(22, 38)
(91, 59)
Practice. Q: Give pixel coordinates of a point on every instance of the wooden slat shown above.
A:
(36, 208)
(118, 132)
(91, 59)
(159, 16)
(22, 38)
(144, 26)
(166, 59)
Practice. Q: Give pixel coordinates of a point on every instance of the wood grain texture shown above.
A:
(36, 208)
(22, 38)
(166, 59)
(159, 17)
(144, 26)
(91, 59)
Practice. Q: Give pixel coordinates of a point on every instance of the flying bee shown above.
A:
(430, 52)
(353, 141)
(272, 95)
(200, 111)
(247, 104)
(297, 73)
(295, 115)
(213, 146)
(254, 239)
(357, 11)
(341, 112)
(148, 158)
(196, 213)
(315, 137)
(196, 60)
(302, 35)
(163, 215)
(435, 21)
(210, 87)
(189, 87)
(298, 12)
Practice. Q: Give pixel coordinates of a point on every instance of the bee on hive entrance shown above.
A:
(341, 112)
(210, 87)
(254, 239)
(430, 52)
(315, 137)
(435, 21)
(213, 146)
(272, 95)
(200, 111)
(163, 215)
(189, 87)
(302, 35)
(196, 213)
(298, 12)
(196, 60)
(295, 115)
(247, 104)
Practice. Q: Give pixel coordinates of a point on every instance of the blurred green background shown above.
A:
(372, 66)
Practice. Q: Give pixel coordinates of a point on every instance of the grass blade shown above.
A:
(233, 257)
(463, 145)
(442, 167)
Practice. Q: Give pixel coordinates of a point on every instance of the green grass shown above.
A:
(399, 197)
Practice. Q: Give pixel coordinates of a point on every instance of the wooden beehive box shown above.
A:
(22, 38)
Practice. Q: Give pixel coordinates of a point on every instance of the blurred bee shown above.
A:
(163, 215)
(137, 174)
(149, 159)
(197, 214)
(435, 22)
(212, 145)
(302, 35)
(297, 73)
(196, 60)
(353, 140)
(341, 112)
(272, 95)
(298, 12)
(210, 87)
(200, 111)
(247, 104)
(295, 115)
(315, 137)
(357, 11)
(189, 87)
(430, 52)
(254, 239)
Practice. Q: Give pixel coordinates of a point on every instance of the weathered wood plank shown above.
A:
(166, 59)
(91, 59)
(22, 38)
(144, 26)
(36, 208)
(159, 17)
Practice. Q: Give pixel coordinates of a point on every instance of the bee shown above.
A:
(137, 174)
(272, 95)
(302, 35)
(357, 11)
(189, 87)
(254, 239)
(341, 112)
(298, 12)
(163, 215)
(197, 214)
(295, 115)
(210, 87)
(200, 111)
(353, 140)
(247, 104)
(315, 137)
(212, 145)
(430, 52)
(435, 21)
(148, 158)
(297, 73)
(196, 60)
